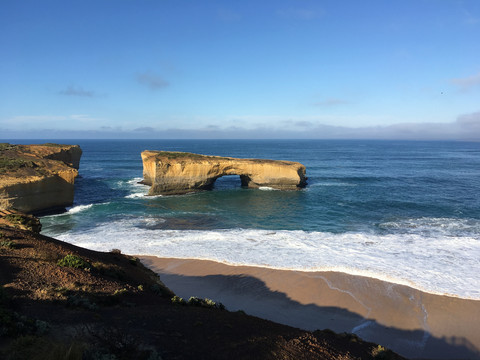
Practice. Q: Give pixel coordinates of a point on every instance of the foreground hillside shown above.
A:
(59, 301)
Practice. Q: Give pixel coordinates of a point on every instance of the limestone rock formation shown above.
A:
(179, 172)
(38, 178)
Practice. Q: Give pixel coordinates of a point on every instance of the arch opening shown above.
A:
(228, 182)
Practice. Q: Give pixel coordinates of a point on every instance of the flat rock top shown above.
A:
(21, 162)
(177, 156)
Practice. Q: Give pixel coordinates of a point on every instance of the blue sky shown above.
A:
(240, 69)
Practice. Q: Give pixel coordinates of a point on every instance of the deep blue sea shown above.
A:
(406, 212)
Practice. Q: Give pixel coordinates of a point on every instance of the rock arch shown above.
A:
(179, 172)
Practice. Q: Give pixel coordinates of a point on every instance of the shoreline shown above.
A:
(414, 323)
(355, 273)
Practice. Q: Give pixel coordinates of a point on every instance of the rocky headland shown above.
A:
(172, 173)
(38, 178)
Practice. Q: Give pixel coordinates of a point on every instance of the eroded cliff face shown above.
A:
(179, 173)
(38, 178)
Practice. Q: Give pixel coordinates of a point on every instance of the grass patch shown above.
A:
(74, 261)
(53, 145)
(120, 292)
(8, 244)
(10, 164)
(26, 221)
(177, 300)
(183, 155)
(382, 353)
(196, 301)
(7, 146)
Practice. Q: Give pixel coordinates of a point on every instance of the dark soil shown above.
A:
(112, 307)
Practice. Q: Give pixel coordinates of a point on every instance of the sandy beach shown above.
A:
(411, 322)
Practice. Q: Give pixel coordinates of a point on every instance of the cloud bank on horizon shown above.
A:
(404, 69)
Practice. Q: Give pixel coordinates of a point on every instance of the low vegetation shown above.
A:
(182, 155)
(23, 221)
(74, 261)
(7, 146)
(12, 164)
(196, 301)
(7, 244)
(53, 145)
(382, 353)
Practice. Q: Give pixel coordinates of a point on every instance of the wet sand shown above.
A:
(411, 322)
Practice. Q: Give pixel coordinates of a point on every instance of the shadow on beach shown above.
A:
(247, 293)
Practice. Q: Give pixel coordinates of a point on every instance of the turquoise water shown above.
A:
(407, 212)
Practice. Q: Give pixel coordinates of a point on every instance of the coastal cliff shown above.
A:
(179, 172)
(38, 178)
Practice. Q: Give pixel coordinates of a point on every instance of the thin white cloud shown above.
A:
(299, 13)
(331, 102)
(470, 122)
(467, 83)
(228, 16)
(303, 123)
(144, 129)
(465, 128)
(76, 91)
(61, 121)
(470, 18)
(152, 80)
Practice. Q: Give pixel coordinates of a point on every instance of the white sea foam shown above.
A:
(331, 183)
(136, 195)
(135, 181)
(434, 263)
(266, 188)
(78, 208)
(138, 190)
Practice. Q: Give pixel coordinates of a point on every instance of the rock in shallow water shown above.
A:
(179, 172)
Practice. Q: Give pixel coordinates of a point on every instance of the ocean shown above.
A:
(400, 211)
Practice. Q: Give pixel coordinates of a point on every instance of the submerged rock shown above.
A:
(179, 172)
(38, 178)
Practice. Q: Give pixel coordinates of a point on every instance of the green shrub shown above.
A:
(8, 244)
(6, 146)
(382, 353)
(25, 220)
(9, 164)
(178, 300)
(74, 262)
(120, 292)
(196, 301)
